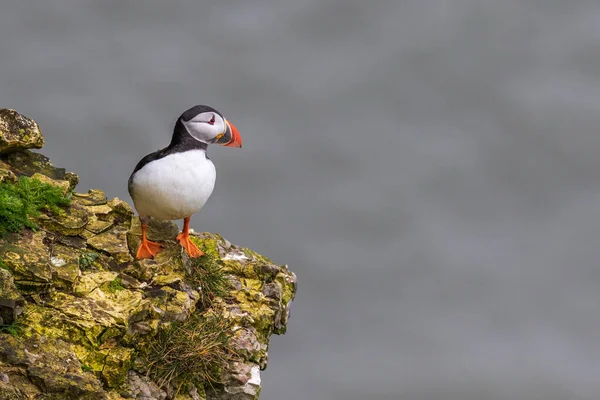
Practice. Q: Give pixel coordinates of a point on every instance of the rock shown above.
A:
(17, 132)
(6, 174)
(121, 211)
(243, 383)
(140, 387)
(83, 320)
(245, 343)
(96, 226)
(64, 264)
(28, 163)
(11, 301)
(114, 242)
(92, 198)
(71, 222)
(53, 368)
(63, 185)
(170, 304)
(27, 258)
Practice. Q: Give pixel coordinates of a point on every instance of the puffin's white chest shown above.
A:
(175, 186)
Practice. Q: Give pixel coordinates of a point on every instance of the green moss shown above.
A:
(114, 286)
(86, 368)
(208, 277)
(24, 201)
(191, 352)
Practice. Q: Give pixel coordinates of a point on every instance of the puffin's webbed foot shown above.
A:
(184, 240)
(148, 249)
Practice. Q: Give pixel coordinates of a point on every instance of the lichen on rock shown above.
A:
(81, 319)
(17, 132)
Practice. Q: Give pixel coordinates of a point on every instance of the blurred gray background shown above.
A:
(429, 169)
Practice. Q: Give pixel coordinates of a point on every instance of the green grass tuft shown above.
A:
(207, 276)
(24, 200)
(191, 352)
(12, 329)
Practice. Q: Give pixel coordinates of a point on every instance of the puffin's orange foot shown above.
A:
(148, 249)
(190, 248)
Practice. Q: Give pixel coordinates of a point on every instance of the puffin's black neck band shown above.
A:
(182, 140)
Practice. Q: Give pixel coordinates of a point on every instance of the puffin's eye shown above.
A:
(212, 120)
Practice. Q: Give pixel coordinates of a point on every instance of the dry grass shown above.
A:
(191, 352)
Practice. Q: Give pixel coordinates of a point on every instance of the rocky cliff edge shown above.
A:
(81, 319)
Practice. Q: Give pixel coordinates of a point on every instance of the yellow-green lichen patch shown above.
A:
(208, 243)
(89, 281)
(93, 361)
(255, 309)
(288, 284)
(113, 242)
(86, 313)
(110, 361)
(105, 291)
(44, 322)
(117, 362)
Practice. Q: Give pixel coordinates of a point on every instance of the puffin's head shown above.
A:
(207, 125)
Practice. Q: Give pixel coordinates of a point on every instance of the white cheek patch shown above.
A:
(201, 130)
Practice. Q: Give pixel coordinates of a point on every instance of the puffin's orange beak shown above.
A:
(232, 137)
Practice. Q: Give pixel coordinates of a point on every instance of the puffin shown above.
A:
(175, 182)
